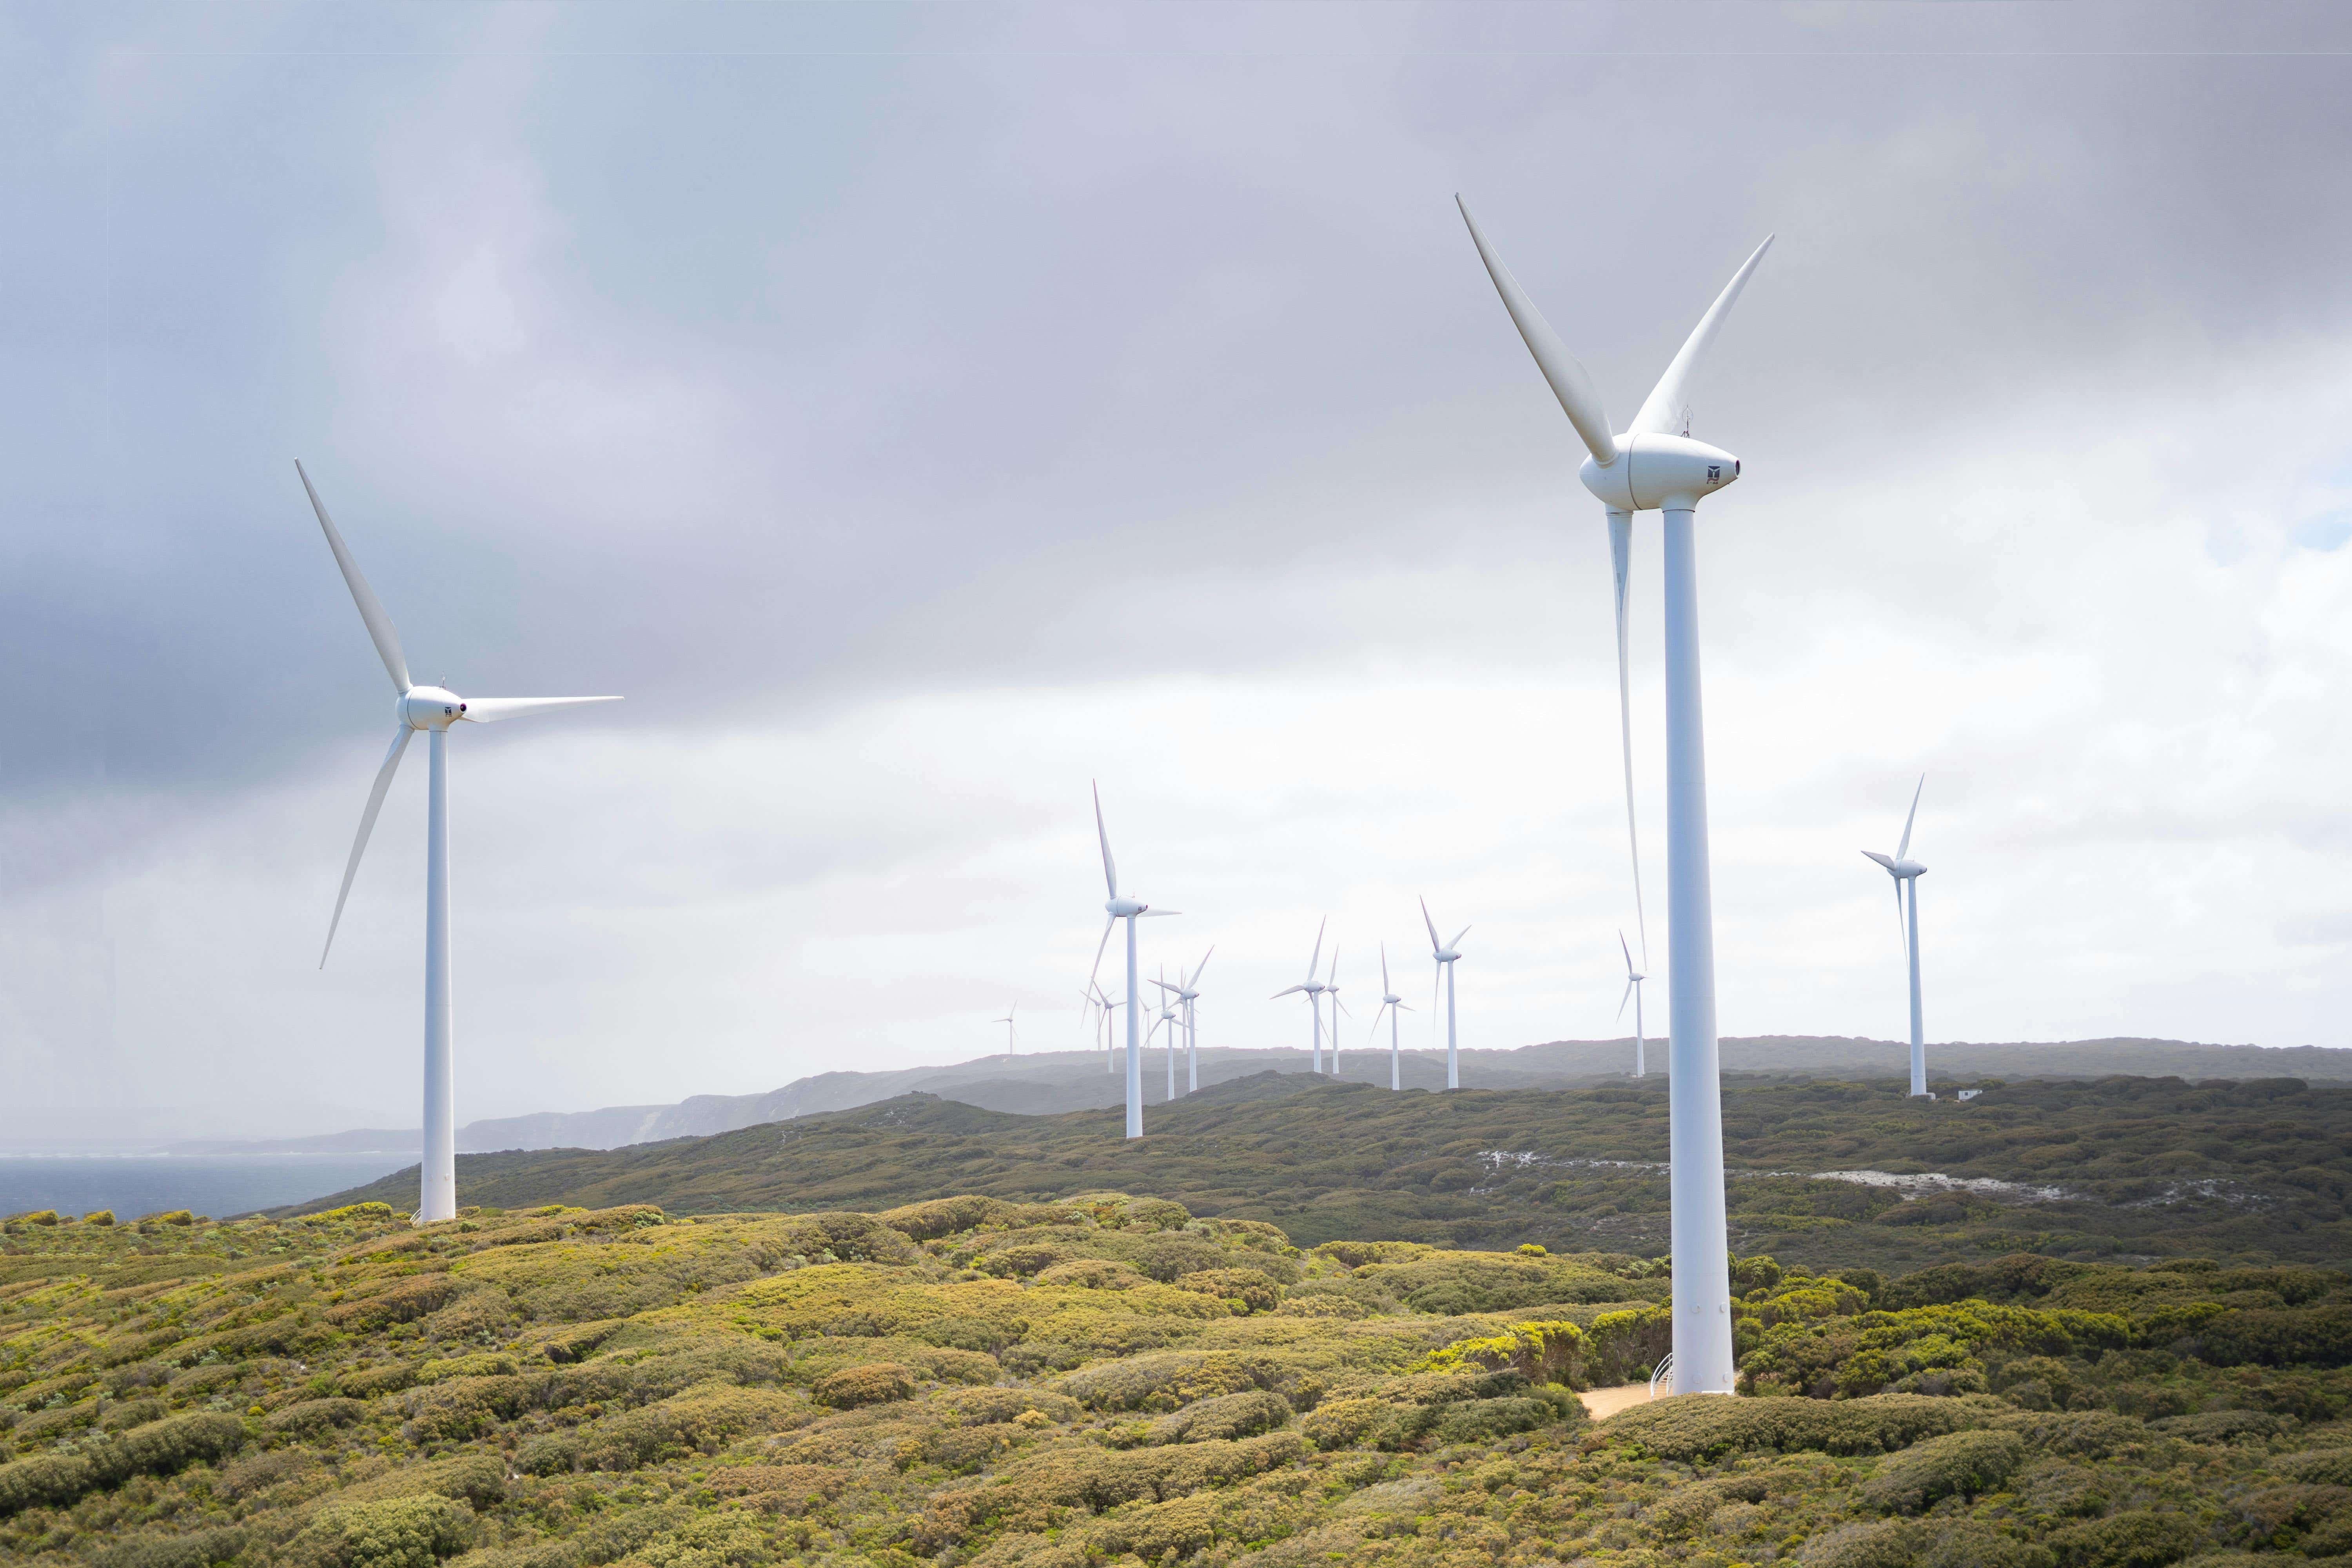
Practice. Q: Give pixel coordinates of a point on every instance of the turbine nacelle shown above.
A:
(427, 708)
(1122, 909)
(1651, 472)
(1898, 869)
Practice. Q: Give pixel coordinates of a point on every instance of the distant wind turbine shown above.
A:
(1099, 1008)
(1012, 1038)
(1391, 1004)
(1633, 978)
(1313, 987)
(1188, 991)
(1445, 954)
(431, 709)
(1331, 989)
(1170, 1015)
(1129, 910)
(1903, 869)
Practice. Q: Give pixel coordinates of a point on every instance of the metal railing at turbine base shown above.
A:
(1664, 1375)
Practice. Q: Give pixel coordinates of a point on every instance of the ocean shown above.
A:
(212, 1185)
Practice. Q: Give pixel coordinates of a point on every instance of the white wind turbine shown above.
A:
(431, 709)
(1655, 466)
(1129, 910)
(1171, 1018)
(1012, 1035)
(1633, 978)
(1391, 1004)
(1313, 987)
(1903, 869)
(1098, 1007)
(1445, 954)
(1188, 991)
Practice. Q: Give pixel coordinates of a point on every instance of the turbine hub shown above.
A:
(1909, 869)
(1655, 471)
(1125, 909)
(428, 707)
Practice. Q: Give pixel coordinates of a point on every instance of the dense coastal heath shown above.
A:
(1106, 1378)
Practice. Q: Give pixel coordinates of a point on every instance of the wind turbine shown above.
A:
(1314, 988)
(1129, 910)
(1096, 1000)
(1903, 869)
(1188, 991)
(1655, 466)
(1633, 978)
(1012, 1038)
(1331, 989)
(1391, 1004)
(1444, 953)
(431, 709)
(1170, 1014)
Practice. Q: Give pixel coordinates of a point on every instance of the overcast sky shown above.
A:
(917, 411)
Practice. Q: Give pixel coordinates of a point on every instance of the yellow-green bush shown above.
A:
(876, 1383)
(398, 1533)
(1959, 1464)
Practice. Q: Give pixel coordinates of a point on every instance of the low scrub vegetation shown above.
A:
(1107, 1379)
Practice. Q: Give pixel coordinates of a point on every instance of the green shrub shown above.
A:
(463, 1407)
(2220, 1426)
(1486, 1420)
(549, 1453)
(167, 1216)
(1706, 1426)
(159, 1448)
(1225, 1417)
(2312, 1336)
(2319, 1467)
(1254, 1289)
(1165, 1380)
(35, 1216)
(1348, 1422)
(404, 1303)
(2089, 1434)
(877, 1382)
(1541, 1353)
(700, 1420)
(353, 1214)
(397, 1532)
(198, 1548)
(98, 1216)
(2139, 1538)
(366, 1383)
(477, 1479)
(485, 1365)
(314, 1417)
(1959, 1464)
(1890, 1543)
(132, 1412)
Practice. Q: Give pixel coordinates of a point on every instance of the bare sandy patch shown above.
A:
(1602, 1403)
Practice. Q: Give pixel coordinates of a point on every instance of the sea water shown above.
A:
(214, 1184)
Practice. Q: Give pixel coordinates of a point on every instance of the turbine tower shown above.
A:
(1331, 989)
(1655, 466)
(1012, 1038)
(1903, 869)
(1633, 978)
(431, 709)
(1170, 1018)
(1446, 954)
(1390, 1003)
(1188, 991)
(1313, 987)
(1129, 910)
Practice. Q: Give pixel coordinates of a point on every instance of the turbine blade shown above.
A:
(1385, 986)
(1620, 557)
(1094, 974)
(1456, 945)
(1629, 960)
(1885, 861)
(367, 825)
(1286, 991)
(1334, 975)
(1435, 945)
(1901, 932)
(1903, 848)
(1165, 986)
(379, 625)
(490, 710)
(1159, 914)
(1662, 413)
(1194, 978)
(1579, 399)
(1625, 998)
(1110, 872)
(1312, 958)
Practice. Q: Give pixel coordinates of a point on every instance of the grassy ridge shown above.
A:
(2148, 1167)
(1110, 1379)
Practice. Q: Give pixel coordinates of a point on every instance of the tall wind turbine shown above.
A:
(1171, 1018)
(1903, 869)
(1187, 991)
(1390, 1003)
(434, 710)
(1313, 987)
(1446, 954)
(1129, 910)
(1655, 466)
(1011, 1037)
(1633, 978)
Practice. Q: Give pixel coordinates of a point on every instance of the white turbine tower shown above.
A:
(1655, 466)
(1099, 1008)
(1391, 1004)
(1445, 954)
(1331, 989)
(1129, 910)
(1903, 869)
(431, 709)
(1188, 991)
(1171, 1018)
(1633, 978)
(1313, 987)
(1012, 1035)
